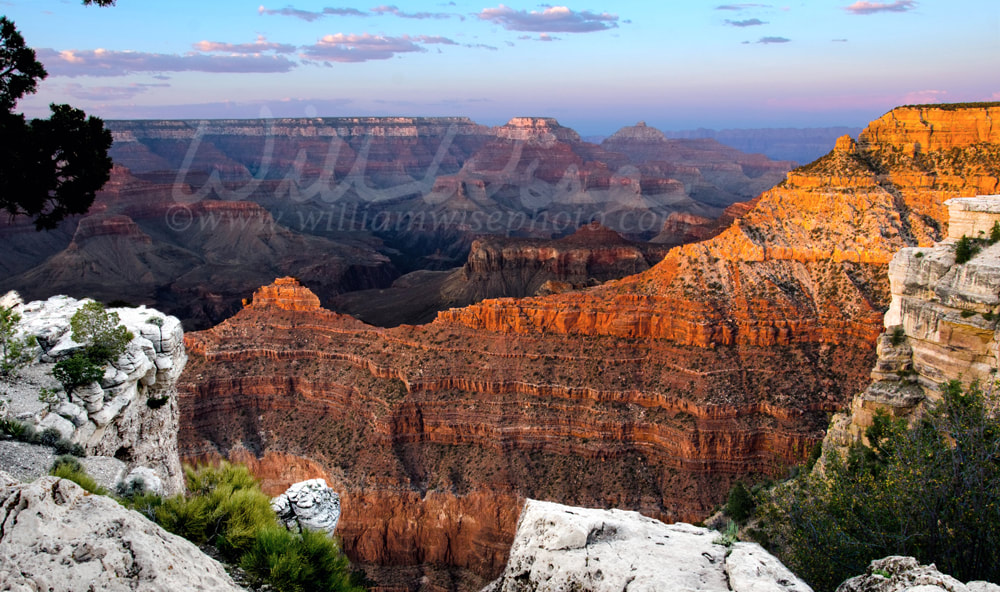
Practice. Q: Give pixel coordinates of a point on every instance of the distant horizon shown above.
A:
(606, 133)
(594, 67)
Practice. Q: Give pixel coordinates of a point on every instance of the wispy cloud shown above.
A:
(771, 40)
(359, 48)
(311, 15)
(384, 9)
(861, 7)
(262, 45)
(558, 19)
(395, 11)
(746, 23)
(108, 93)
(103, 62)
(741, 6)
(922, 97)
(541, 37)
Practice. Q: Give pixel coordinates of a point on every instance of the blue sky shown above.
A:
(595, 65)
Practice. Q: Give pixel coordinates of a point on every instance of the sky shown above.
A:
(595, 65)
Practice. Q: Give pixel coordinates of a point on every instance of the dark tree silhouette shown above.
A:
(49, 168)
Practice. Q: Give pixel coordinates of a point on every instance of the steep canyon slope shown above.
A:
(653, 392)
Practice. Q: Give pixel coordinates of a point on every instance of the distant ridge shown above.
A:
(802, 145)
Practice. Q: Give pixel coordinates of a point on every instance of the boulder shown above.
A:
(55, 536)
(905, 574)
(308, 505)
(559, 548)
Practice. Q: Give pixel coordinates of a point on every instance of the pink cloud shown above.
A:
(359, 48)
(103, 62)
(552, 19)
(862, 7)
(260, 46)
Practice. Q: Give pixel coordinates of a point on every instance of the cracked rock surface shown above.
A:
(561, 549)
(55, 536)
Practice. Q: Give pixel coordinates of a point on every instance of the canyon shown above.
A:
(653, 392)
(198, 214)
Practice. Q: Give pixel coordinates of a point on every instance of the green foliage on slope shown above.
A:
(225, 508)
(929, 491)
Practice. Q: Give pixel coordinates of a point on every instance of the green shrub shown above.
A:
(226, 508)
(14, 351)
(298, 563)
(898, 335)
(994, 234)
(157, 402)
(928, 491)
(68, 467)
(49, 437)
(100, 331)
(965, 249)
(740, 503)
(77, 370)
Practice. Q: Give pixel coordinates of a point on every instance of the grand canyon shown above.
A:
(437, 374)
(651, 392)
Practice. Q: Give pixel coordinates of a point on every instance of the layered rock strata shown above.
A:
(55, 536)
(560, 548)
(941, 324)
(651, 393)
(131, 413)
(446, 429)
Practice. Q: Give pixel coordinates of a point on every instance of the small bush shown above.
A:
(898, 335)
(967, 313)
(14, 351)
(157, 402)
(225, 508)
(77, 370)
(965, 249)
(68, 467)
(994, 233)
(49, 437)
(740, 504)
(100, 331)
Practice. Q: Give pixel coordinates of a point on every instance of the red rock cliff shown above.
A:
(653, 392)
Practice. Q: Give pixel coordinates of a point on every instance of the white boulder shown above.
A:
(308, 505)
(559, 548)
(57, 537)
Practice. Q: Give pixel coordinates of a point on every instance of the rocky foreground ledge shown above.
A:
(130, 414)
(559, 548)
(55, 536)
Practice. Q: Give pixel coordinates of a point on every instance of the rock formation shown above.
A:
(903, 574)
(55, 536)
(561, 548)
(506, 267)
(308, 505)
(650, 393)
(131, 413)
(941, 324)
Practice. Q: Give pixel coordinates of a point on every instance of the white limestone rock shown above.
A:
(752, 569)
(308, 505)
(905, 574)
(559, 548)
(59, 538)
(62, 425)
(147, 477)
(115, 419)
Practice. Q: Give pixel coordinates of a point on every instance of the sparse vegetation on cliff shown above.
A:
(13, 349)
(226, 509)
(928, 491)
